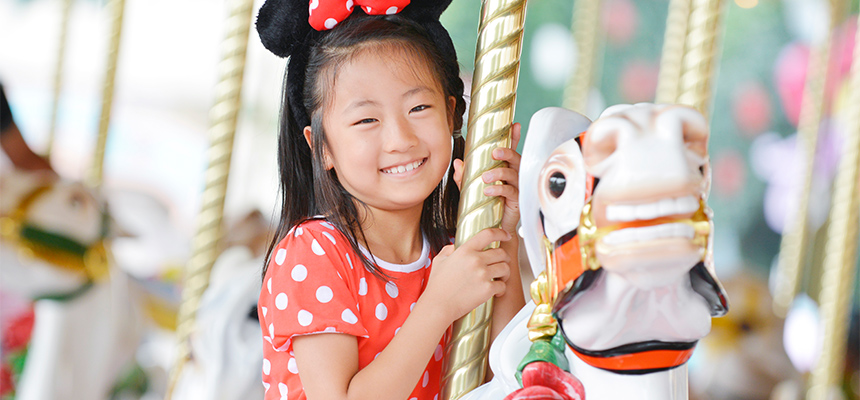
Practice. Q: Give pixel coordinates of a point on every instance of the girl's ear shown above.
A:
(327, 162)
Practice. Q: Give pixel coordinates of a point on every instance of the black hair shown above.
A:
(307, 188)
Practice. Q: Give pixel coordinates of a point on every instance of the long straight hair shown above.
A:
(308, 189)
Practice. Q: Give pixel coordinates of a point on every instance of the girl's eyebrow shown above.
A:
(360, 103)
(416, 90)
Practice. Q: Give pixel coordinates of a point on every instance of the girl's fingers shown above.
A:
(499, 271)
(509, 155)
(506, 175)
(515, 135)
(484, 238)
(494, 256)
(498, 288)
(509, 192)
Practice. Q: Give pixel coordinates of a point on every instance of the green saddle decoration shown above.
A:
(551, 351)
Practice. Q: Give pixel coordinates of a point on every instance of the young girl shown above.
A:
(362, 284)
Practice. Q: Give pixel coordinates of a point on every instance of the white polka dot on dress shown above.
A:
(349, 260)
(324, 294)
(315, 246)
(298, 231)
(291, 366)
(299, 273)
(314, 4)
(266, 386)
(392, 290)
(280, 256)
(438, 353)
(329, 237)
(269, 285)
(326, 223)
(396, 330)
(381, 312)
(391, 10)
(267, 366)
(426, 379)
(305, 318)
(411, 306)
(330, 23)
(283, 390)
(272, 330)
(368, 10)
(281, 301)
(265, 310)
(349, 4)
(348, 316)
(362, 287)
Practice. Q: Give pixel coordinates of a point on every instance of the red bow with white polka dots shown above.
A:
(325, 14)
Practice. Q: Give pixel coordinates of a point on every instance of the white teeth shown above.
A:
(630, 235)
(662, 208)
(403, 168)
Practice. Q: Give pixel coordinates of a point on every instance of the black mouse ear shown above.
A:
(425, 10)
(283, 25)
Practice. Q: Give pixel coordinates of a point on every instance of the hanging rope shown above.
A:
(223, 120)
(697, 74)
(792, 250)
(494, 86)
(58, 74)
(96, 173)
(674, 42)
(840, 255)
(586, 16)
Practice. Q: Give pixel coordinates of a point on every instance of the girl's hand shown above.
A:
(509, 177)
(466, 277)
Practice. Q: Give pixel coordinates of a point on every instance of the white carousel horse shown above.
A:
(227, 349)
(633, 307)
(52, 251)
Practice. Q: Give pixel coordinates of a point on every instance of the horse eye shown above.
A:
(557, 181)
(252, 314)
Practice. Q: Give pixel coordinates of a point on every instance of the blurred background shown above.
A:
(156, 151)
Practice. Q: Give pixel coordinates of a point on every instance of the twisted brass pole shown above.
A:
(494, 85)
(699, 59)
(115, 9)
(840, 255)
(792, 250)
(223, 119)
(672, 58)
(586, 17)
(58, 74)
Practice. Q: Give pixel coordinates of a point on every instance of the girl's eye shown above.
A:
(419, 108)
(366, 121)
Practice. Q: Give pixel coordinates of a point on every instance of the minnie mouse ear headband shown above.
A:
(289, 28)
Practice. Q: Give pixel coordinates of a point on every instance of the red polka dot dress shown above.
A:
(316, 284)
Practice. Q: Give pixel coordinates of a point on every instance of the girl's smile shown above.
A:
(403, 169)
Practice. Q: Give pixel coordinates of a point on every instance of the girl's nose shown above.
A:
(400, 136)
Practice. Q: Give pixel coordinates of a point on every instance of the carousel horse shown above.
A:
(227, 349)
(53, 252)
(616, 226)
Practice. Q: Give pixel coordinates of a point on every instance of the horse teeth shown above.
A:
(632, 235)
(657, 209)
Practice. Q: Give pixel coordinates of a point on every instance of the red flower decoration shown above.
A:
(326, 14)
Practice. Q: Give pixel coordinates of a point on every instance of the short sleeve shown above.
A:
(305, 290)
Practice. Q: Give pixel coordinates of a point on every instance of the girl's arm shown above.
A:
(460, 280)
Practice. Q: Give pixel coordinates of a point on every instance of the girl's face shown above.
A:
(388, 129)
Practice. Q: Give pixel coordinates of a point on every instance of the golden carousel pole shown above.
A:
(223, 118)
(699, 59)
(672, 58)
(491, 113)
(58, 74)
(95, 175)
(586, 17)
(792, 251)
(840, 255)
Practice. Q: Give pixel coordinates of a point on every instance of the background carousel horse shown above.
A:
(53, 252)
(633, 307)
